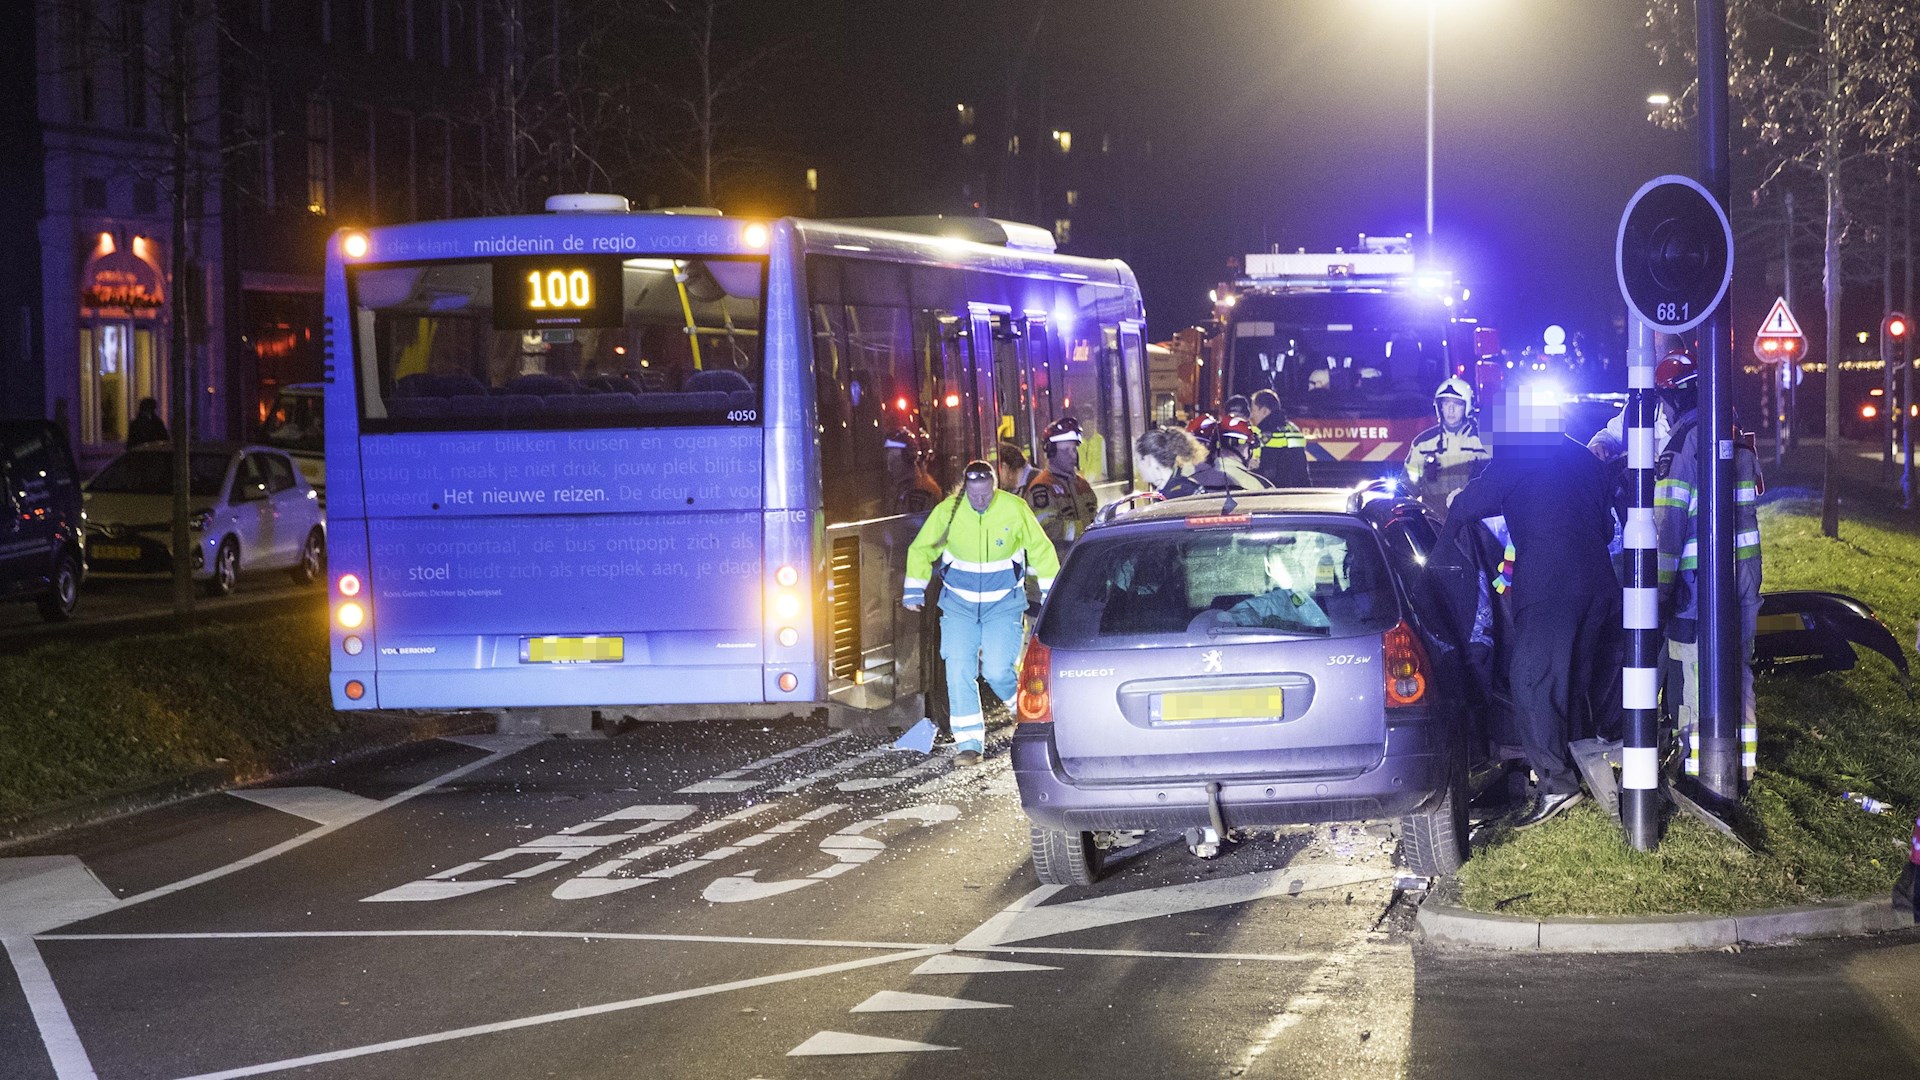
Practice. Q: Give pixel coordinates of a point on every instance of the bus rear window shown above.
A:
(552, 342)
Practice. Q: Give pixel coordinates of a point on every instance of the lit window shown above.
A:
(966, 115)
(1062, 230)
(1073, 198)
(1013, 146)
(813, 179)
(1065, 141)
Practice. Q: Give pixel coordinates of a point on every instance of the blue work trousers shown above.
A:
(986, 645)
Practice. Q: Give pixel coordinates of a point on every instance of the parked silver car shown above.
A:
(1209, 665)
(252, 510)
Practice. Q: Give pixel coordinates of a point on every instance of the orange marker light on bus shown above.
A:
(355, 690)
(788, 682)
(354, 245)
(351, 615)
(755, 235)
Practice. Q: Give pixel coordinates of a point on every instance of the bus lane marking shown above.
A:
(571, 844)
(851, 848)
(599, 880)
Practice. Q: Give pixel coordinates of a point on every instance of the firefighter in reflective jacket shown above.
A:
(1444, 457)
(1062, 500)
(986, 542)
(1676, 519)
(1282, 456)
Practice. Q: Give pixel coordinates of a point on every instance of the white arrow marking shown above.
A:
(321, 805)
(740, 888)
(1076, 915)
(900, 1001)
(973, 965)
(417, 891)
(850, 847)
(845, 1042)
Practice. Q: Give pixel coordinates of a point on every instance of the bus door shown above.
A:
(1037, 391)
(996, 362)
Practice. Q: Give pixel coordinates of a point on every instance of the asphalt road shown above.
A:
(777, 901)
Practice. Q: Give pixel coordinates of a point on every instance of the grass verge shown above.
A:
(217, 704)
(1819, 736)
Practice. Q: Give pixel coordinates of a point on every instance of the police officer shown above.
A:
(986, 542)
(1282, 457)
(915, 490)
(1676, 518)
(1062, 500)
(1545, 497)
(1444, 457)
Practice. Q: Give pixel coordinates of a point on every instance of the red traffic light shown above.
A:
(1895, 326)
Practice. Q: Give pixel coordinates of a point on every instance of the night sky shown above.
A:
(1296, 122)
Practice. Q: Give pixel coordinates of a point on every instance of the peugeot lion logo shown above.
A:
(1210, 661)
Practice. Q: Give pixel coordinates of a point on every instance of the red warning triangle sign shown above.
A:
(1779, 322)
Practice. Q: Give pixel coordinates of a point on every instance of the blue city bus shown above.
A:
(605, 460)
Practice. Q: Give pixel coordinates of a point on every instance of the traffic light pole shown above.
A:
(1640, 610)
(1719, 625)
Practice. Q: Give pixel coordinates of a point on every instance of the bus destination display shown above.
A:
(578, 291)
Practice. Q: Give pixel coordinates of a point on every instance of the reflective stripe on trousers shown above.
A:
(974, 648)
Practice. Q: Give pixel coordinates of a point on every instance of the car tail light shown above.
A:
(1407, 669)
(1034, 702)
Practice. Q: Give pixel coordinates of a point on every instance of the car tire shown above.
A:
(1433, 842)
(1064, 858)
(64, 595)
(226, 568)
(313, 559)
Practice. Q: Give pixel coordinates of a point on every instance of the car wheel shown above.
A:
(1433, 842)
(226, 568)
(313, 559)
(59, 603)
(1064, 858)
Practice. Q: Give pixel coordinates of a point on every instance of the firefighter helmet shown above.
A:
(1676, 371)
(1237, 429)
(1454, 389)
(1062, 430)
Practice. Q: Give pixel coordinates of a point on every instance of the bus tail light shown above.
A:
(349, 585)
(785, 605)
(787, 576)
(351, 615)
(353, 645)
(789, 637)
(788, 682)
(1034, 701)
(1407, 670)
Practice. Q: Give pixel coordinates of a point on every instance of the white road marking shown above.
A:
(558, 1017)
(951, 964)
(571, 844)
(57, 1034)
(988, 933)
(900, 1001)
(320, 805)
(562, 935)
(850, 847)
(1373, 985)
(1076, 915)
(730, 782)
(838, 768)
(495, 744)
(835, 1043)
(599, 880)
(913, 772)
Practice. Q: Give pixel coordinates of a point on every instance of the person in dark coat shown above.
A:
(1547, 498)
(147, 427)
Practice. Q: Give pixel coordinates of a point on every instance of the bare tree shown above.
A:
(1824, 91)
(714, 71)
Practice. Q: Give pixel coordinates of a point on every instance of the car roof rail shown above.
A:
(1123, 504)
(1372, 491)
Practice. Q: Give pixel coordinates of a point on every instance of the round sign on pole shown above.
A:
(1674, 254)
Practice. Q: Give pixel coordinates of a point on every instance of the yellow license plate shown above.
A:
(573, 650)
(1253, 703)
(122, 552)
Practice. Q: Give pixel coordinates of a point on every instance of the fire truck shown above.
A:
(1354, 342)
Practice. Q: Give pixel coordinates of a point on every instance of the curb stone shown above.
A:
(1447, 924)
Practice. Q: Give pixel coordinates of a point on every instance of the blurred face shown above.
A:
(1151, 472)
(1453, 413)
(1259, 414)
(1064, 456)
(1009, 476)
(979, 493)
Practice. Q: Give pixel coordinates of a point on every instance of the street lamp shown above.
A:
(1659, 101)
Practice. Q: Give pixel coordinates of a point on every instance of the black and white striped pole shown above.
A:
(1640, 608)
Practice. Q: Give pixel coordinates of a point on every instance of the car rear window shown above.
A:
(150, 472)
(1220, 583)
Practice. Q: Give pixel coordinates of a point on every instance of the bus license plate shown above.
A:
(573, 650)
(1252, 703)
(115, 552)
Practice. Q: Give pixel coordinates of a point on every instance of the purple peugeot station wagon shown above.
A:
(1209, 665)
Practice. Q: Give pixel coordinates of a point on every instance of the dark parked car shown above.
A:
(1206, 667)
(43, 542)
